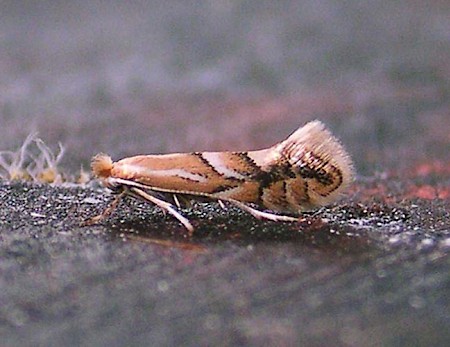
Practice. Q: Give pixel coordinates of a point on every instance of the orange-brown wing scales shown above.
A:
(310, 168)
(195, 173)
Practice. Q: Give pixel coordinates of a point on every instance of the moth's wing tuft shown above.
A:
(321, 160)
(101, 165)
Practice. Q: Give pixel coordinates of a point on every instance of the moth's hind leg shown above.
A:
(165, 206)
(181, 201)
(106, 212)
(263, 215)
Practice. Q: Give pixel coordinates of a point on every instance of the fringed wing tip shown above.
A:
(315, 137)
(101, 165)
(315, 146)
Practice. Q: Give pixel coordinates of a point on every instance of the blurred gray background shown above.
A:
(282, 46)
(129, 77)
(159, 76)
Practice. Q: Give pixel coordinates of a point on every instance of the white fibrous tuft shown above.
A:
(33, 161)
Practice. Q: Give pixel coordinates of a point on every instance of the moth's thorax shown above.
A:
(127, 168)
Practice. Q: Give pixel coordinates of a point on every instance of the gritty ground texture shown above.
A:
(372, 269)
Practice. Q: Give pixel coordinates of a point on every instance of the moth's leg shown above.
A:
(106, 212)
(222, 205)
(165, 206)
(317, 212)
(177, 202)
(263, 215)
(181, 201)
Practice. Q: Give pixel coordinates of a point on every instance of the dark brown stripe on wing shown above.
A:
(223, 188)
(274, 197)
(268, 178)
(205, 161)
(249, 163)
(321, 171)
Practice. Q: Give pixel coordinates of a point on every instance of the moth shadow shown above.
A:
(214, 227)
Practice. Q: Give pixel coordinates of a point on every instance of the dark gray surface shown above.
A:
(136, 77)
(366, 275)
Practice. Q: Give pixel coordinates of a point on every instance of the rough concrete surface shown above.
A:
(134, 77)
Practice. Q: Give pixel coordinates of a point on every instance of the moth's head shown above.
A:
(101, 166)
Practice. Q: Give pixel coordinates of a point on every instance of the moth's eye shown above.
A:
(116, 189)
(113, 185)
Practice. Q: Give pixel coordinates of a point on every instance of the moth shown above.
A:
(309, 169)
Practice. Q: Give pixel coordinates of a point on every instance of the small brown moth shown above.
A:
(309, 169)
